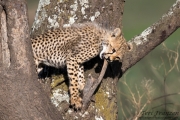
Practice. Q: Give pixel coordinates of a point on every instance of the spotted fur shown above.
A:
(72, 46)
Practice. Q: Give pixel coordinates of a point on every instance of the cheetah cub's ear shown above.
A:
(116, 32)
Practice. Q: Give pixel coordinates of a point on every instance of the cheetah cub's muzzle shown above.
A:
(114, 47)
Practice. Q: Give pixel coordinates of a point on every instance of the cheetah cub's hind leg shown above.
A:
(81, 79)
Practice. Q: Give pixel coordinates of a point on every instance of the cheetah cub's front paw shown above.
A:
(76, 103)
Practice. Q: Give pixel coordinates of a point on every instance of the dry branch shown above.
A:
(91, 85)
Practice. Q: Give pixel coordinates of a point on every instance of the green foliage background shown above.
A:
(138, 15)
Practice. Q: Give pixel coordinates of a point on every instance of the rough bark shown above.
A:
(53, 14)
(22, 96)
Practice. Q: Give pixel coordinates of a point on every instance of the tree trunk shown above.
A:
(64, 13)
(22, 96)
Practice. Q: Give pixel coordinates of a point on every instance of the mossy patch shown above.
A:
(58, 82)
(104, 105)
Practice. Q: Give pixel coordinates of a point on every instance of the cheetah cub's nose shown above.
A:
(108, 59)
(103, 57)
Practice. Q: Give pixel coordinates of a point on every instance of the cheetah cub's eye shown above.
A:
(113, 35)
(118, 57)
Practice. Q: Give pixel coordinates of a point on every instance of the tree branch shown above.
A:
(153, 36)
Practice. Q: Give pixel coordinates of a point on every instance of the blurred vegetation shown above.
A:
(150, 71)
(138, 15)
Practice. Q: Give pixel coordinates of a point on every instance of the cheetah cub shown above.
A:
(72, 46)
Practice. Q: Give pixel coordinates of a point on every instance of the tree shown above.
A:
(59, 13)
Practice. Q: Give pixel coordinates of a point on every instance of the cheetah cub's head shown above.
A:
(114, 46)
